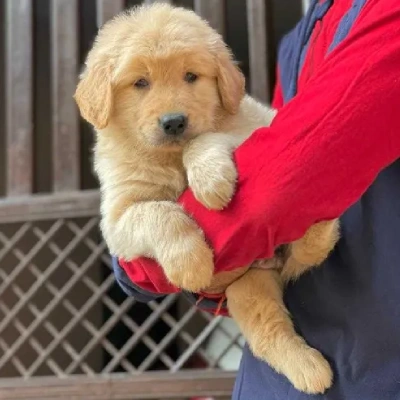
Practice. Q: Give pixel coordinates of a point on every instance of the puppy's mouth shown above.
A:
(160, 139)
(175, 142)
(172, 141)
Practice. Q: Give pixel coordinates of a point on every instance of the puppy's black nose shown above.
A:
(173, 124)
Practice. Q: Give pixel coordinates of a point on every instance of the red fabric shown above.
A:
(277, 101)
(219, 299)
(323, 150)
(152, 280)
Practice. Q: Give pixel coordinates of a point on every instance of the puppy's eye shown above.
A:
(141, 83)
(190, 77)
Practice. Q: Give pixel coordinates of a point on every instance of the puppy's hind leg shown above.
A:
(255, 302)
(310, 250)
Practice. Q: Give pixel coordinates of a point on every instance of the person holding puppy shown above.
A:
(331, 151)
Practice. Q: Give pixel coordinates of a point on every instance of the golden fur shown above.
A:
(142, 171)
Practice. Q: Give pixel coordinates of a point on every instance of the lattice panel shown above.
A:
(61, 312)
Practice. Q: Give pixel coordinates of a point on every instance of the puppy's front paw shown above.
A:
(189, 264)
(213, 181)
(187, 261)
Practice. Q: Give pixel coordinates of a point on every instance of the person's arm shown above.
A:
(321, 153)
(277, 100)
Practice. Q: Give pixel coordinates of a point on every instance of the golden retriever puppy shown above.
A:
(169, 107)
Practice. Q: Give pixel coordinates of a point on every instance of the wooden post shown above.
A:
(65, 125)
(18, 97)
(157, 1)
(261, 52)
(107, 9)
(214, 12)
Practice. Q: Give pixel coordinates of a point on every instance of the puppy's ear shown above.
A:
(94, 95)
(231, 83)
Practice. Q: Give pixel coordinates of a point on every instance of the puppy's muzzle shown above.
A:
(173, 124)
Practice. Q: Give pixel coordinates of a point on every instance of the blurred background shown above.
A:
(66, 329)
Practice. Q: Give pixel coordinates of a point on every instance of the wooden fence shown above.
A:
(61, 315)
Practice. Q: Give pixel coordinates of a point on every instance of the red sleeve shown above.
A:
(323, 150)
(277, 101)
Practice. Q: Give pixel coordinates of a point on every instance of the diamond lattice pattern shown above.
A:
(61, 312)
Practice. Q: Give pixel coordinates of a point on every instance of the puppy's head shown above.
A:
(160, 75)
